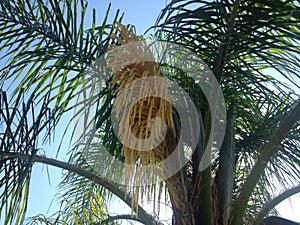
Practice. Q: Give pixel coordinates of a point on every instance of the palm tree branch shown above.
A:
(226, 43)
(118, 217)
(141, 213)
(269, 150)
(274, 202)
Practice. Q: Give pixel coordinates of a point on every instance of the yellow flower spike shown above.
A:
(128, 70)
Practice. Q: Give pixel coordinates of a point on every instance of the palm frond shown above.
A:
(23, 126)
(264, 34)
(46, 49)
(244, 42)
(53, 49)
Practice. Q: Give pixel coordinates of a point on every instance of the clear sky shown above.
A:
(142, 14)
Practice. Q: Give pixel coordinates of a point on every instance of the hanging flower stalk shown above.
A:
(133, 66)
(130, 65)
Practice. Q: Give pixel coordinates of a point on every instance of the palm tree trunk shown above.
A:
(179, 200)
(225, 174)
(177, 183)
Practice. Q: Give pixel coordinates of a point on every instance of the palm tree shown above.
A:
(238, 40)
(48, 53)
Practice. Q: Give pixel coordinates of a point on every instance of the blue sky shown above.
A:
(142, 14)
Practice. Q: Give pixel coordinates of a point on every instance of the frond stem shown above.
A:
(269, 150)
(141, 213)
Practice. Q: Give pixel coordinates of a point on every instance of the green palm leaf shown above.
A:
(46, 48)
